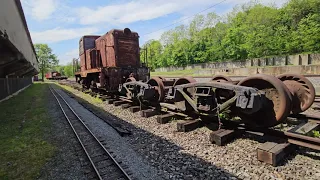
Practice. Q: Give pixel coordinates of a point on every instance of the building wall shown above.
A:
(10, 86)
(14, 28)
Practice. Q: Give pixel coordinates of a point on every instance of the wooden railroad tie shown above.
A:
(273, 153)
(165, 118)
(118, 103)
(104, 97)
(110, 101)
(189, 125)
(223, 136)
(134, 109)
(126, 106)
(148, 113)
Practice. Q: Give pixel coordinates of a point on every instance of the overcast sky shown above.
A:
(61, 23)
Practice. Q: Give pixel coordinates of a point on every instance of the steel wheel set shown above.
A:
(259, 100)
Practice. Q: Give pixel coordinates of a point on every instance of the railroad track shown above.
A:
(230, 130)
(104, 166)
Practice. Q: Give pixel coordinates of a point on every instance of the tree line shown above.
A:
(48, 61)
(251, 30)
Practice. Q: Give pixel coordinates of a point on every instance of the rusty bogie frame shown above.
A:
(259, 100)
(199, 98)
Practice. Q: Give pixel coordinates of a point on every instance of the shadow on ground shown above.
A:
(161, 153)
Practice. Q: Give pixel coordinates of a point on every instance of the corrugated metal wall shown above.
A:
(9, 86)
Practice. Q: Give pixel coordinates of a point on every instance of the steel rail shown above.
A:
(86, 127)
(230, 76)
(295, 138)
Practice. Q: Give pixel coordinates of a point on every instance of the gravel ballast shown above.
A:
(116, 144)
(178, 155)
(66, 163)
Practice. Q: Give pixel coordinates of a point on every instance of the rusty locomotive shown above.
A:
(109, 60)
(111, 63)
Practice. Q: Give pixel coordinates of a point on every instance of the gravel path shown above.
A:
(120, 149)
(66, 163)
(192, 155)
(178, 155)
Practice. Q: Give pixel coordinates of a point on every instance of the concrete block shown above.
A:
(269, 61)
(303, 59)
(314, 58)
(279, 61)
(242, 64)
(248, 63)
(255, 62)
(293, 60)
(262, 62)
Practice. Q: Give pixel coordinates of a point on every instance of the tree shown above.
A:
(46, 58)
(251, 30)
(68, 70)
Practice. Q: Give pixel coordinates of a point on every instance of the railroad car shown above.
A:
(54, 75)
(110, 60)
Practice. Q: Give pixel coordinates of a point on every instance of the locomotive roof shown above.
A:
(121, 30)
(111, 31)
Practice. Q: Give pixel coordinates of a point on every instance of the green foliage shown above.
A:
(65, 70)
(316, 134)
(249, 31)
(47, 59)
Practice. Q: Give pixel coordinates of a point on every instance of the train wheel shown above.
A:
(130, 79)
(179, 100)
(301, 89)
(185, 80)
(277, 104)
(222, 94)
(221, 78)
(162, 78)
(158, 84)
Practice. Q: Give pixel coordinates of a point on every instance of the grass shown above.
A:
(85, 96)
(24, 123)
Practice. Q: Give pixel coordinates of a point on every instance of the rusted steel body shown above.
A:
(107, 61)
(92, 60)
(259, 100)
(86, 43)
(119, 48)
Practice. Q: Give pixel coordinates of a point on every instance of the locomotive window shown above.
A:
(89, 43)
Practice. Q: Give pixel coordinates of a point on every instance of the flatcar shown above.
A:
(110, 60)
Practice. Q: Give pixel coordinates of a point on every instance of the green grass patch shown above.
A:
(88, 97)
(24, 123)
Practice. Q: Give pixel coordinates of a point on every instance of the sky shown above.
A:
(61, 23)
